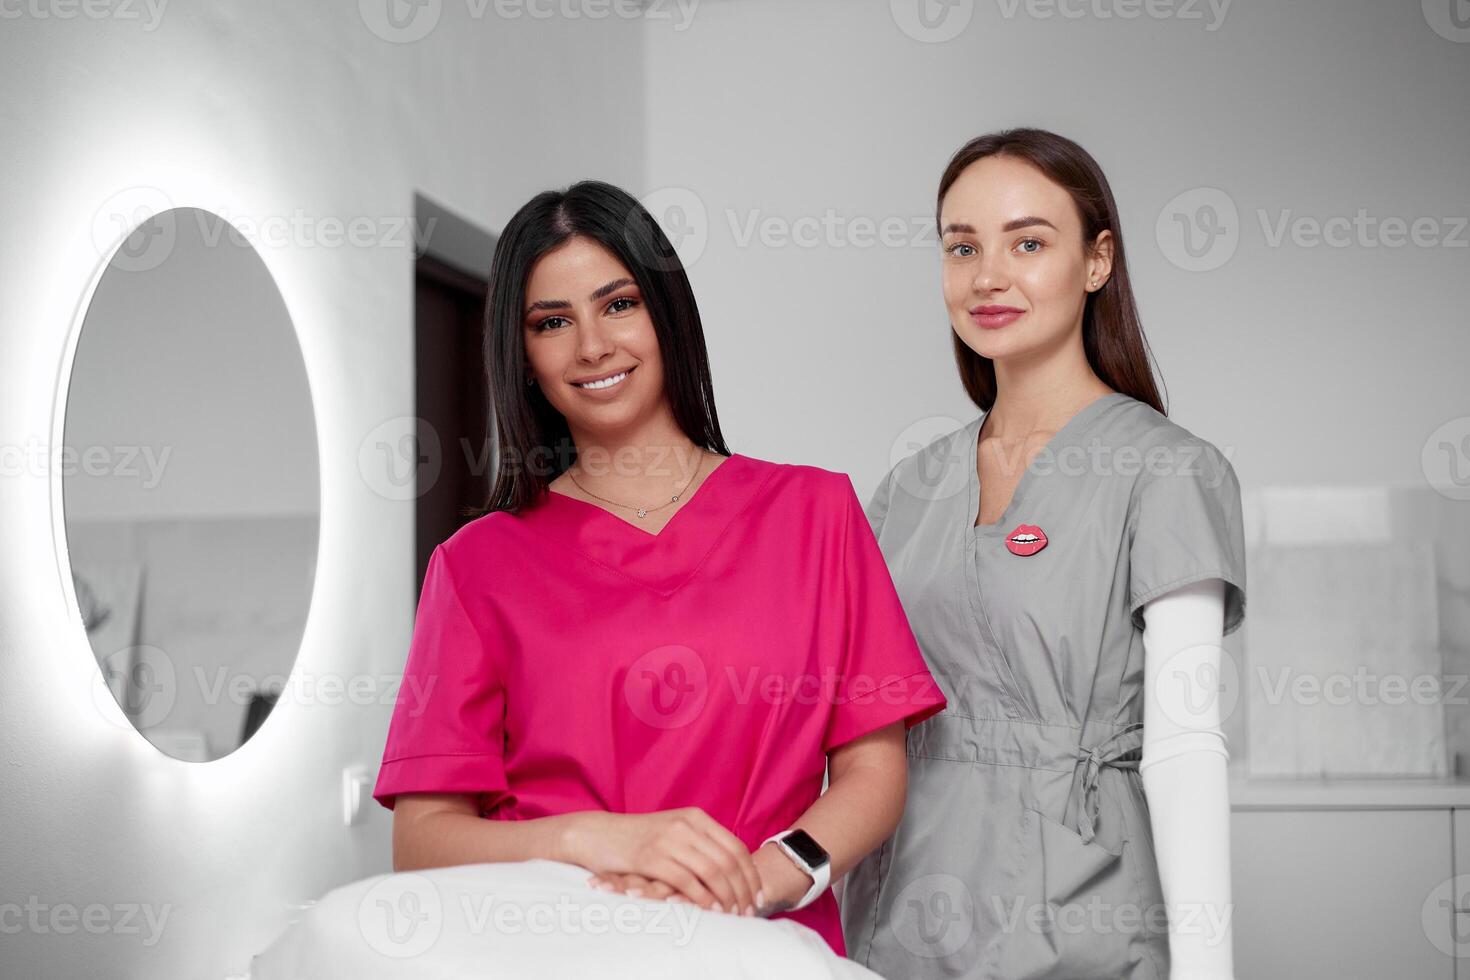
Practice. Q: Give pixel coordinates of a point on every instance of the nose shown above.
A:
(990, 272)
(593, 341)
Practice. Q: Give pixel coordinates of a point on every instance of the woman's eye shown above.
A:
(614, 308)
(548, 323)
(1031, 241)
(955, 250)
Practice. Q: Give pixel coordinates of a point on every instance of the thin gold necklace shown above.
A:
(641, 511)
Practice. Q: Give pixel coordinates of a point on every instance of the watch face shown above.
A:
(806, 847)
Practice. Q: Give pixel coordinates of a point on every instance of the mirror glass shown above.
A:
(190, 484)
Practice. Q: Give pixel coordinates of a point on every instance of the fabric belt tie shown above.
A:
(1121, 751)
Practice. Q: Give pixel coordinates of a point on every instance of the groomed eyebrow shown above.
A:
(1015, 224)
(598, 293)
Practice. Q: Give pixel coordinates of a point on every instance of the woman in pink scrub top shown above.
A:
(646, 651)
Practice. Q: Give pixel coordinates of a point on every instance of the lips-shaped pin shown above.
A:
(1026, 540)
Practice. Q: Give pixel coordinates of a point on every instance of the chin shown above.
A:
(987, 345)
(609, 418)
(1000, 345)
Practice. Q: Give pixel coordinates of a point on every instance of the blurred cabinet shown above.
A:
(1461, 890)
(1350, 893)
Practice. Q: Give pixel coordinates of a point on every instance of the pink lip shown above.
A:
(1026, 540)
(995, 317)
(604, 377)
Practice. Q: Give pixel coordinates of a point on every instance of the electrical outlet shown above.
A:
(355, 783)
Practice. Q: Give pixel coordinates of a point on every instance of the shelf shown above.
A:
(1409, 793)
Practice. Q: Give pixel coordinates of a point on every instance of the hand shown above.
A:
(637, 886)
(781, 879)
(685, 850)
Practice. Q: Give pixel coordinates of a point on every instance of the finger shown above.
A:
(683, 879)
(638, 886)
(608, 881)
(745, 861)
(646, 886)
(739, 864)
(715, 868)
(657, 889)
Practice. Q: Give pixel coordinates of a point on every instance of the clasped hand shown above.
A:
(685, 855)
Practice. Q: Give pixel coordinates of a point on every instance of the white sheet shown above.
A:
(532, 919)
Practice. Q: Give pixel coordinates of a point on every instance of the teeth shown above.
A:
(606, 382)
(1025, 539)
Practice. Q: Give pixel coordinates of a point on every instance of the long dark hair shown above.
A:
(1112, 334)
(533, 442)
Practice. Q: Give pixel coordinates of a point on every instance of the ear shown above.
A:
(1100, 261)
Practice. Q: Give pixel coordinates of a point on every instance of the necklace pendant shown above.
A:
(674, 499)
(642, 511)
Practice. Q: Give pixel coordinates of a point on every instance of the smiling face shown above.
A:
(1016, 271)
(585, 321)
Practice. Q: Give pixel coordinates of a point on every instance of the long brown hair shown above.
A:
(1112, 335)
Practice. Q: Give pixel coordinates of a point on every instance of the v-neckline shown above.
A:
(1068, 429)
(694, 498)
(665, 561)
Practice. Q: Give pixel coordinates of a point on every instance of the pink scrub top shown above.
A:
(564, 659)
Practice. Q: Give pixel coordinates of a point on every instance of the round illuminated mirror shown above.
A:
(190, 484)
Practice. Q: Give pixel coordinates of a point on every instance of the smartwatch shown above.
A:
(809, 856)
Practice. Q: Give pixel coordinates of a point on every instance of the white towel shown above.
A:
(533, 919)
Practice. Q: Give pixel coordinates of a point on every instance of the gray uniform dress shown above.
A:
(1025, 850)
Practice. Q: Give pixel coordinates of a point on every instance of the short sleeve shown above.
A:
(878, 506)
(447, 730)
(1186, 527)
(882, 676)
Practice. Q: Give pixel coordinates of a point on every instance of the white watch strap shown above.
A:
(820, 876)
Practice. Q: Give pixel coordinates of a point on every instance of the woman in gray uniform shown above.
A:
(1069, 561)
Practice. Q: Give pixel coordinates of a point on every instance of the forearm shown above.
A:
(1190, 814)
(860, 809)
(443, 839)
(1185, 778)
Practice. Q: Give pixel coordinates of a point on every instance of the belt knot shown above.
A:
(1120, 751)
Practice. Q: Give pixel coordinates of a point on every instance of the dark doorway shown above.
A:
(452, 402)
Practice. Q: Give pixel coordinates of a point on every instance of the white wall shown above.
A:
(1311, 365)
(1307, 365)
(259, 110)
